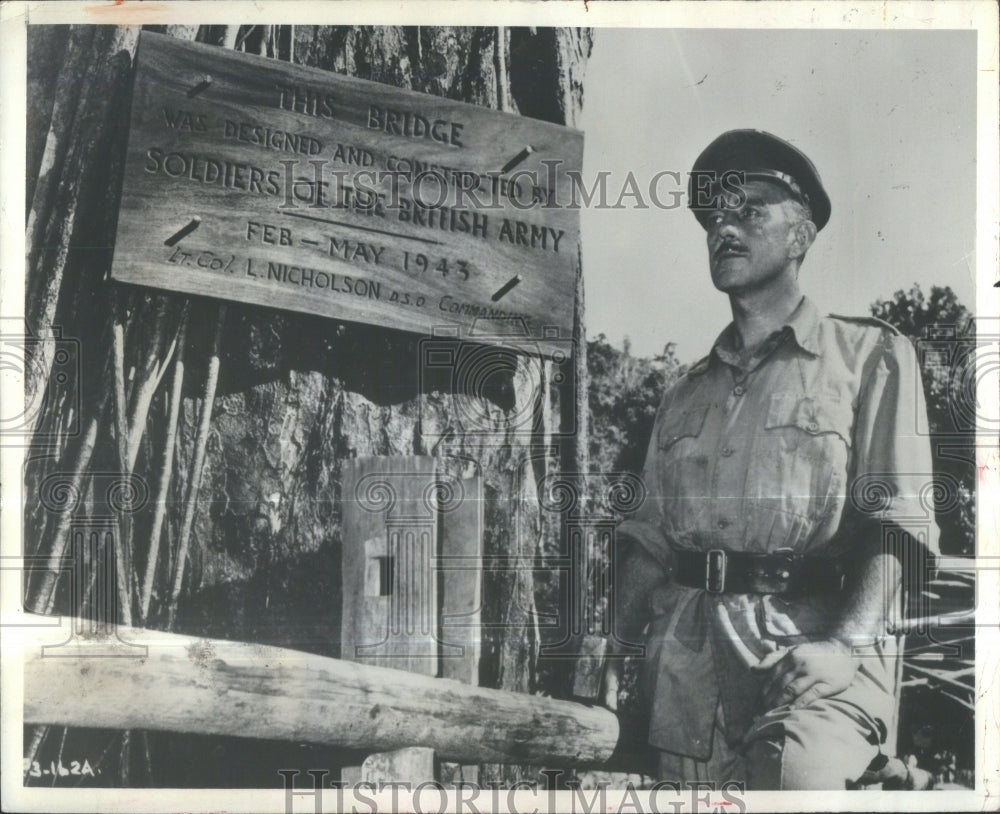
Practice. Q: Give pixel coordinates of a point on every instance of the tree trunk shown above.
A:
(296, 396)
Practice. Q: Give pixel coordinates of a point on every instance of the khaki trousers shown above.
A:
(825, 746)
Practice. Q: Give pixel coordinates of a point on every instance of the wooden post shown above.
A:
(413, 765)
(390, 596)
(588, 671)
(389, 539)
(412, 544)
(461, 565)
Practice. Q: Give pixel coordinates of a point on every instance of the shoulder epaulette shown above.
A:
(699, 367)
(873, 321)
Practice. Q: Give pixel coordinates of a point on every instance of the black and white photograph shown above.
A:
(506, 406)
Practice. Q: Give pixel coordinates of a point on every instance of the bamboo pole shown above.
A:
(504, 101)
(85, 111)
(163, 483)
(214, 687)
(152, 366)
(122, 540)
(43, 598)
(201, 442)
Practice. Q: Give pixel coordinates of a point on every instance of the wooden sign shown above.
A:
(259, 181)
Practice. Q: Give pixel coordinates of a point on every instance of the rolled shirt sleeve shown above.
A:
(893, 481)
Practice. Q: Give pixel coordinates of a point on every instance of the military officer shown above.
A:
(783, 477)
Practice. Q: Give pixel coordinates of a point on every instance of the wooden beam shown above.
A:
(214, 687)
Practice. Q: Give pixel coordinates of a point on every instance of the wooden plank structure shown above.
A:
(215, 687)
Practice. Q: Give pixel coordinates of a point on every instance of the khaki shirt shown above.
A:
(798, 447)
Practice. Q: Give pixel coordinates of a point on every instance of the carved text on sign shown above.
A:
(269, 183)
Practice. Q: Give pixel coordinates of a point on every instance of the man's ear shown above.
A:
(803, 235)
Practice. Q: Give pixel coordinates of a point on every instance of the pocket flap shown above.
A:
(685, 423)
(812, 415)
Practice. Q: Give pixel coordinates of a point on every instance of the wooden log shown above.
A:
(215, 687)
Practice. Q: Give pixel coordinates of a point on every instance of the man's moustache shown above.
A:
(729, 246)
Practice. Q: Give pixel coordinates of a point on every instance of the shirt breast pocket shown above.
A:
(802, 457)
(683, 471)
(680, 425)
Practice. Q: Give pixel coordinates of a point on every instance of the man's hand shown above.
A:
(803, 673)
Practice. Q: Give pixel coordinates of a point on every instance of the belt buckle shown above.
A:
(715, 571)
(784, 572)
(786, 556)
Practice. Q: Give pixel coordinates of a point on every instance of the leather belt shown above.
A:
(740, 572)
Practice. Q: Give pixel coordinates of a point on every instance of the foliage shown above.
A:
(625, 392)
(943, 333)
(937, 713)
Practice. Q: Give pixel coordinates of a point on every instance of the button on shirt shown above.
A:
(761, 452)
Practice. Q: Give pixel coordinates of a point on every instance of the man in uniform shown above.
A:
(784, 480)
